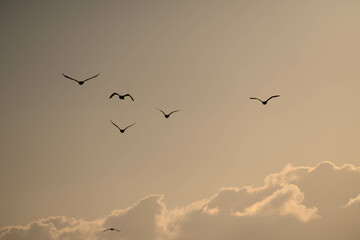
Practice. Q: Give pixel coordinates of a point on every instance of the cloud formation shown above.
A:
(321, 202)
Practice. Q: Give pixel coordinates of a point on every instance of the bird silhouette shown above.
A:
(265, 102)
(122, 130)
(121, 96)
(167, 115)
(80, 82)
(111, 229)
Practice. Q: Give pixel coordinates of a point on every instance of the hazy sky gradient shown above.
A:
(60, 155)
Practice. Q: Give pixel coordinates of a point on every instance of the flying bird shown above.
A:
(265, 102)
(111, 229)
(121, 96)
(167, 115)
(80, 82)
(121, 130)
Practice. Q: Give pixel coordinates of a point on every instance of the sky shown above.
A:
(61, 160)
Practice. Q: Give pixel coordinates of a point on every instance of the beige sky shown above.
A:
(60, 155)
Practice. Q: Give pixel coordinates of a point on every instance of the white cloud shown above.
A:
(353, 201)
(286, 201)
(321, 202)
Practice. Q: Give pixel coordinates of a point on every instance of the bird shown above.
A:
(121, 96)
(111, 229)
(122, 130)
(167, 115)
(81, 82)
(265, 102)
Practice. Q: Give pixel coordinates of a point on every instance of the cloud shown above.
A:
(321, 202)
(353, 201)
(286, 201)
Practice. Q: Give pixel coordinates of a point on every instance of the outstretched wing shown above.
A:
(256, 99)
(273, 97)
(115, 124)
(91, 77)
(70, 78)
(129, 126)
(114, 94)
(161, 111)
(174, 112)
(129, 96)
(106, 230)
(117, 230)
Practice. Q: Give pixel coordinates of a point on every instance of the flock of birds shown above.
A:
(122, 97)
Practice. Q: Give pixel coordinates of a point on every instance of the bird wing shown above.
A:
(115, 125)
(256, 99)
(174, 112)
(129, 96)
(129, 126)
(161, 111)
(114, 94)
(117, 230)
(70, 78)
(273, 97)
(106, 230)
(91, 77)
